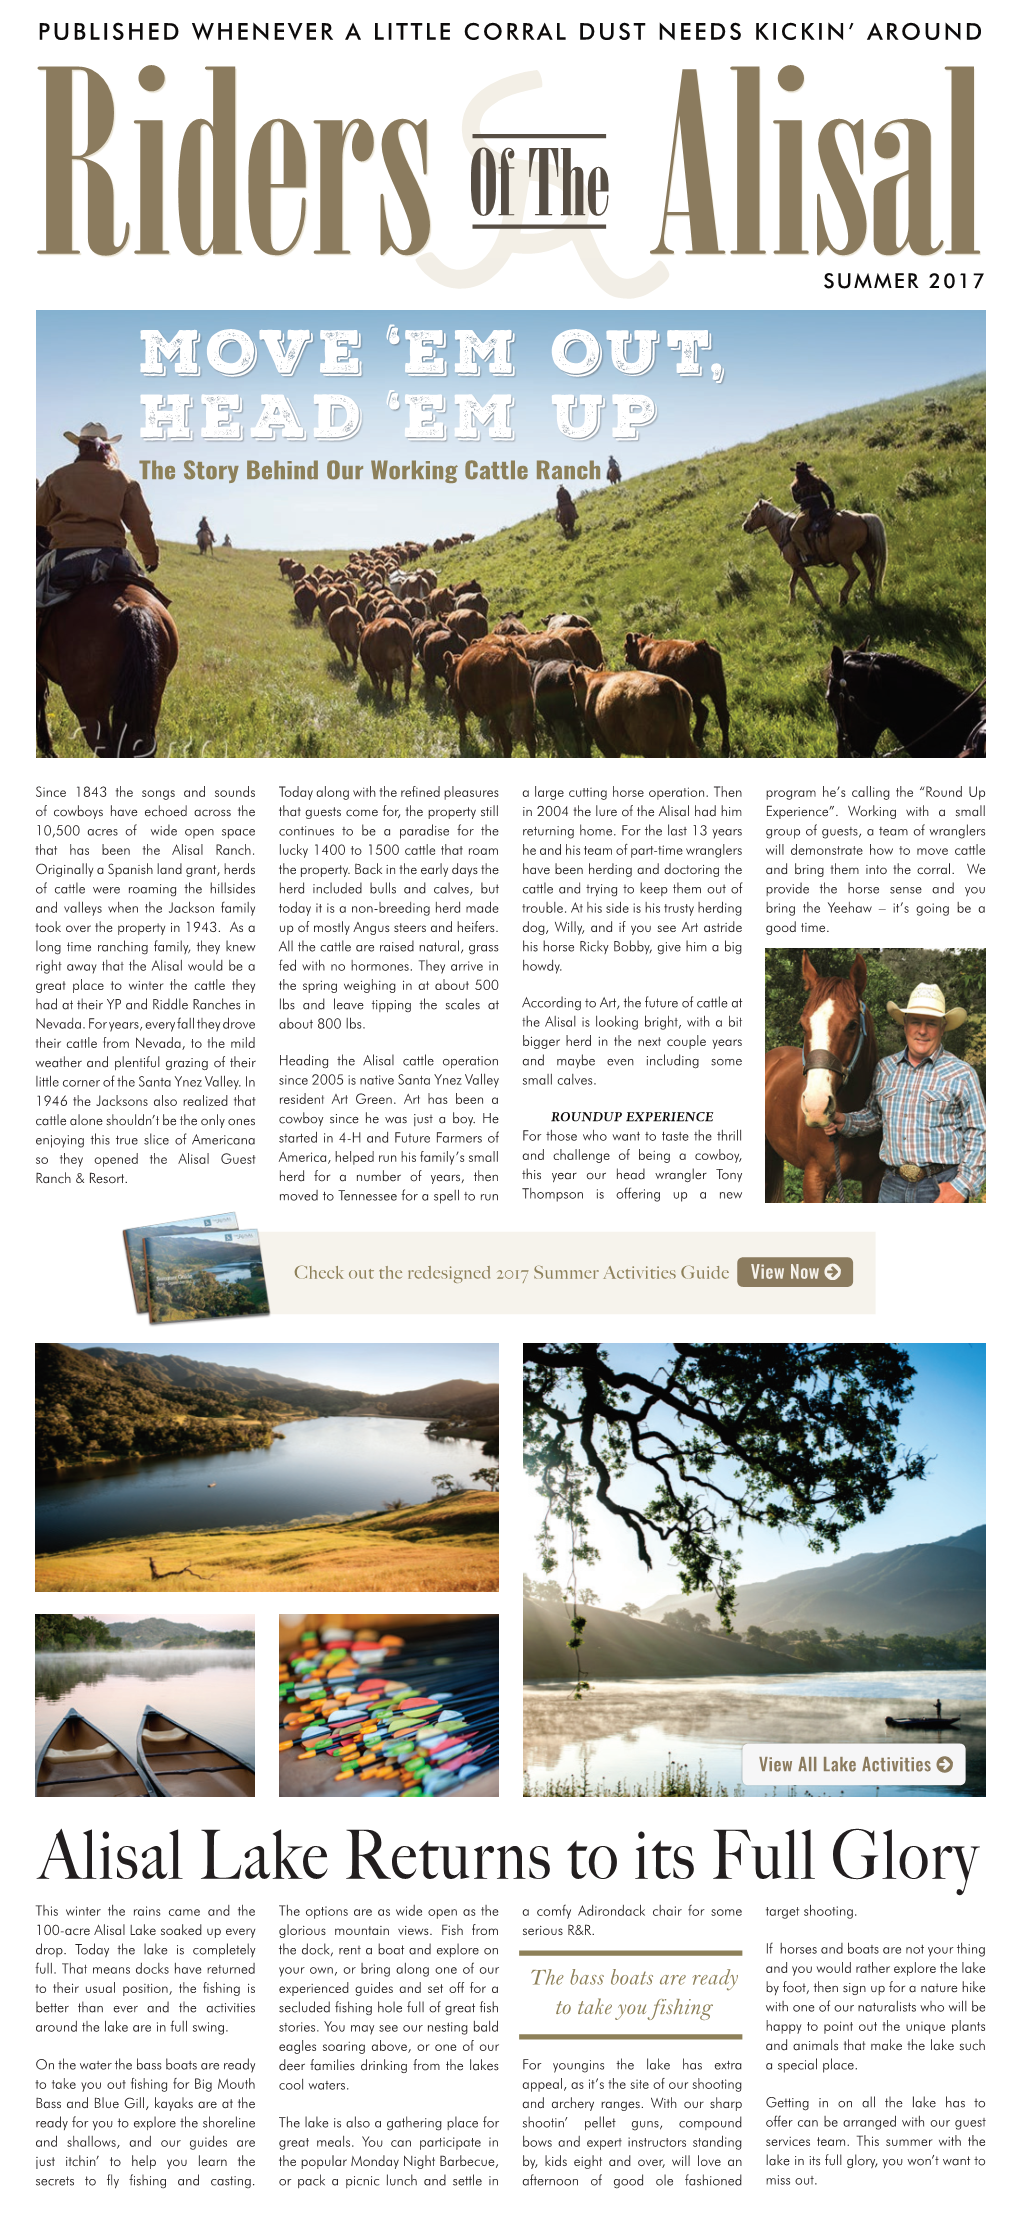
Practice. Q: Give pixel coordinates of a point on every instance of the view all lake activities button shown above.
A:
(927, 1764)
(775, 1272)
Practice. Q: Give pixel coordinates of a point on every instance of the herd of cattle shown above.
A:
(386, 608)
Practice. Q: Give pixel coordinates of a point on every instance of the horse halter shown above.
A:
(826, 1063)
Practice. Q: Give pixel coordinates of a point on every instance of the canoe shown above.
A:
(79, 1762)
(921, 1722)
(180, 1764)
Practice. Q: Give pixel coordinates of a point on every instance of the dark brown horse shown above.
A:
(206, 539)
(804, 1084)
(929, 715)
(111, 649)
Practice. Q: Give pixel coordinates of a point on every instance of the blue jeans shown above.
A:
(896, 1191)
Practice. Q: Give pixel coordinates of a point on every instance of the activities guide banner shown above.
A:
(511, 587)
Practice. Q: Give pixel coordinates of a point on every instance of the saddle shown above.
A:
(64, 572)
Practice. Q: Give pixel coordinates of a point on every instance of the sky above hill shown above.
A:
(375, 1368)
(778, 369)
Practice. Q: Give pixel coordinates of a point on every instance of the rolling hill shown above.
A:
(928, 1589)
(620, 1646)
(108, 1404)
(663, 553)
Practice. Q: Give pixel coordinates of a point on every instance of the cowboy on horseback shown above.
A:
(88, 508)
(816, 503)
(566, 512)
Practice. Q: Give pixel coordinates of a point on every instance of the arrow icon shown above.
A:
(944, 1762)
(832, 1272)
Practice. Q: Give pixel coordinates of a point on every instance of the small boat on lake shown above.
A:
(79, 1762)
(180, 1764)
(920, 1722)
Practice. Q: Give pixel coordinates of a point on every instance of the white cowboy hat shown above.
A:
(928, 1003)
(93, 431)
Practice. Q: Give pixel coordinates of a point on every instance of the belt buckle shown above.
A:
(911, 1173)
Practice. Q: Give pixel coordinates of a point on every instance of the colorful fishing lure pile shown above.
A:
(337, 1703)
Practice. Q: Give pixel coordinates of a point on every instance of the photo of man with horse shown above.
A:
(927, 1108)
(102, 633)
(847, 1109)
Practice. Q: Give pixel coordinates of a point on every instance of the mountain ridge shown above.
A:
(931, 1588)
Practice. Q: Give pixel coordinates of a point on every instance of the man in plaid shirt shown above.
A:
(929, 1108)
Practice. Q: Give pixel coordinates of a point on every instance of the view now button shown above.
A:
(775, 1272)
(926, 1765)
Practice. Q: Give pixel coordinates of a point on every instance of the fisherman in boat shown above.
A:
(929, 1109)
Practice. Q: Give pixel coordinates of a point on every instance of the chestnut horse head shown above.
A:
(835, 1026)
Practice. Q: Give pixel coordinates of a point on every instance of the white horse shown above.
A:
(849, 533)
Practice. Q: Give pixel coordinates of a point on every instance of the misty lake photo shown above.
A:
(211, 1689)
(330, 1465)
(627, 1737)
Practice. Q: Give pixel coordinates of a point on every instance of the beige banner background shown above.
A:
(563, 1273)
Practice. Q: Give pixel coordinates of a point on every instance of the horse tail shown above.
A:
(878, 548)
(136, 686)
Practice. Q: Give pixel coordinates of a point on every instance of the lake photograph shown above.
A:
(795, 1540)
(267, 1467)
(146, 1710)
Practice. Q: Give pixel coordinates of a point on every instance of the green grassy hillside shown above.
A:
(663, 553)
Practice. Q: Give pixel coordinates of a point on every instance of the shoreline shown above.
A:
(449, 1545)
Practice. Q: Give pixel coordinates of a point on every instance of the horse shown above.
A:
(206, 539)
(927, 714)
(613, 472)
(111, 649)
(566, 513)
(849, 533)
(805, 1084)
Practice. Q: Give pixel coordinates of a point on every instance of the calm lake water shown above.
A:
(213, 1692)
(624, 1736)
(330, 1466)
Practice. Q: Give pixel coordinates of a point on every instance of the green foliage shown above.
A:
(963, 1649)
(782, 1435)
(253, 682)
(73, 1634)
(675, 1782)
(88, 1411)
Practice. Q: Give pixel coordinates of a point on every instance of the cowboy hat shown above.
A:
(93, 431)
(927, 1003)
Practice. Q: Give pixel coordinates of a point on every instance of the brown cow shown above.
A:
(583, 646)
(441, 600)
(559, 618)
(386, 650)
(634, 714)
(306, 599)
(579, 646)
(433, 654)
(492, 680)
(345, 633)
(511, 623)
(468, 622)
(284, 563)
(695, 666)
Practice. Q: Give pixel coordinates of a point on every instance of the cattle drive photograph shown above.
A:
(472, 572)
(875, 1077)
